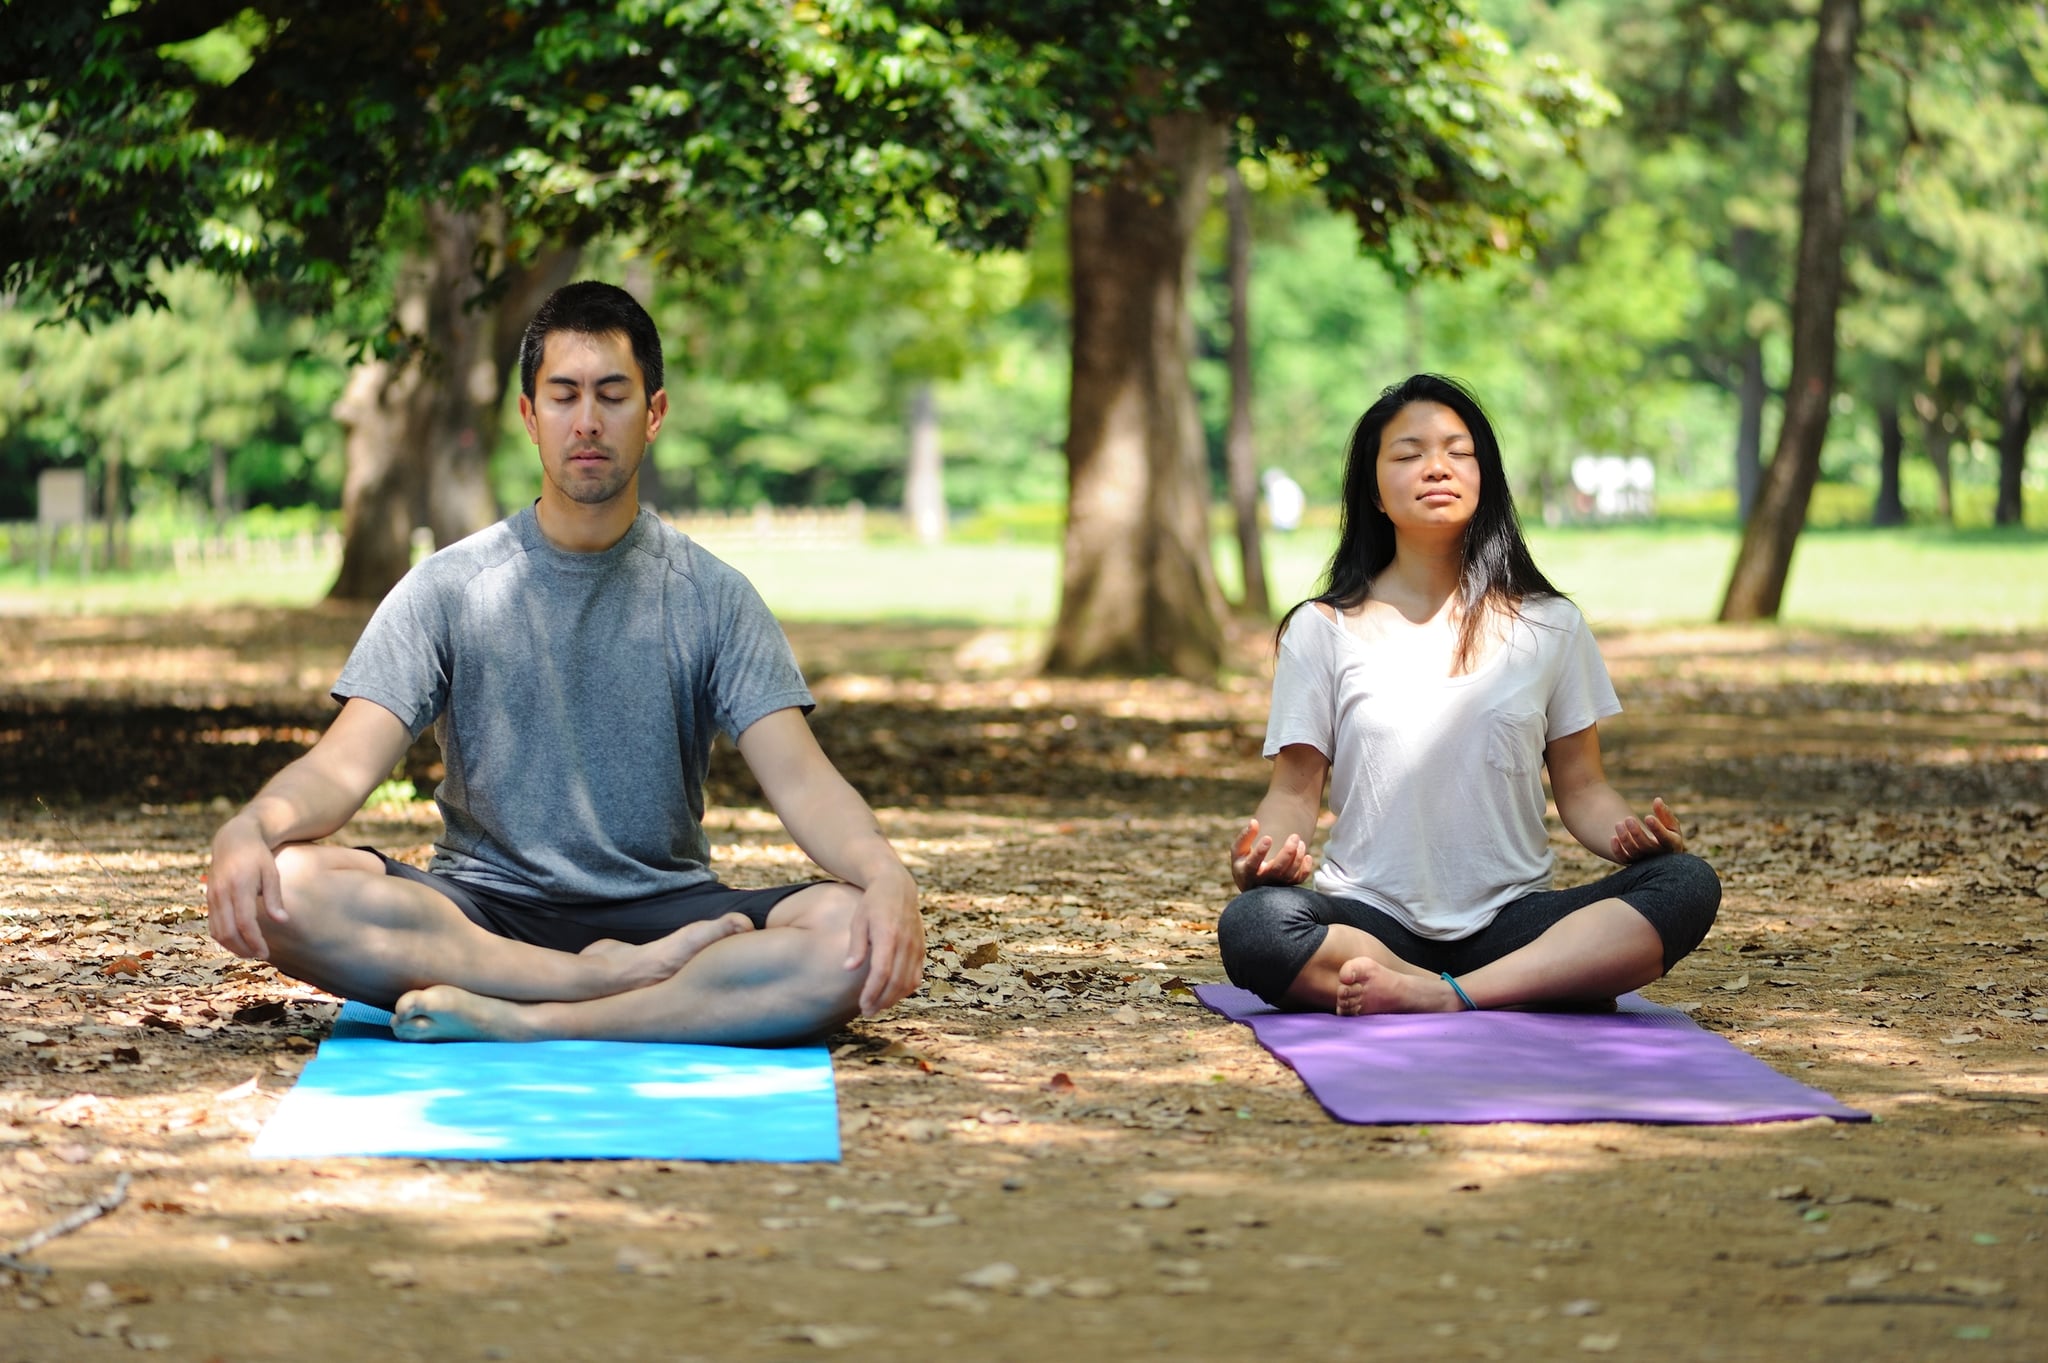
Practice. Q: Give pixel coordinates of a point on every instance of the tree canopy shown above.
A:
(275, 140)
(755, 162)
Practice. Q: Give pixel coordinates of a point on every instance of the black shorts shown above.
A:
(573, 927)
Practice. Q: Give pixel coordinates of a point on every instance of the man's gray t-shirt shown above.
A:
(575, 697)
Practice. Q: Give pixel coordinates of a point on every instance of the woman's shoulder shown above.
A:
(1309, 624)
(1552, 612)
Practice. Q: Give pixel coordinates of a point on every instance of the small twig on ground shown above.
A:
(65, 824)
(1834, 1254)
(91, 1211)
(1916, 1299)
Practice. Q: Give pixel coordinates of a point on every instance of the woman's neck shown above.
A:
(1422, 579)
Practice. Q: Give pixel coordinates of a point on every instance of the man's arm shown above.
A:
(1594, 811)
(310, 798)
(836, 829)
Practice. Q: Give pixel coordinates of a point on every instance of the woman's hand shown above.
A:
(1254, 860)
(1640, 839)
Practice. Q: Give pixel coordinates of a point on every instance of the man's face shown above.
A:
(591, 416)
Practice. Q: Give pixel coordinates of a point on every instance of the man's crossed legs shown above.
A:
(397, 940)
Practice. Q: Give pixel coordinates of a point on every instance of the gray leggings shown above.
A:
(1267, 934)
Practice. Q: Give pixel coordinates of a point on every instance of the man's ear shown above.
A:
(657, 411)
(528, 416)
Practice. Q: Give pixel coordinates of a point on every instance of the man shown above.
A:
(577, 659)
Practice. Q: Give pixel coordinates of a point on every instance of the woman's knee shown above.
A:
(1697, 883)
(1691, 891)
(1265, 937)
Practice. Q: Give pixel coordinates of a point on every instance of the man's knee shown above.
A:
(827, 916)
(826, 907)
(308, 872)
(1265, 936)
(301, 872)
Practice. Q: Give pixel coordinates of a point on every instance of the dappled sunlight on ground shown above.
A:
(1052, 1149)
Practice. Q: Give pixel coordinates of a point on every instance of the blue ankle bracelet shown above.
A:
(1463, 997)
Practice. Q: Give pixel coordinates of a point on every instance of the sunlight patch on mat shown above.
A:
(366, 1093)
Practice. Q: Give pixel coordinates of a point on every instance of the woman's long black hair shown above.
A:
(1498, 571)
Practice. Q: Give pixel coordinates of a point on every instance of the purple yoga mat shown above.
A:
(1641, 1063)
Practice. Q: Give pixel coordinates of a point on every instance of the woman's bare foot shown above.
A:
(627, 967)
(1365, 985)
(442, 1012)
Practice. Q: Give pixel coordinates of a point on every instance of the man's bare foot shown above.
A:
(636, 967)
(442, 1012)
(1365, 985)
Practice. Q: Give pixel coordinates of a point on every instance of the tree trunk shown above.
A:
(1138, 589)
(924, 474)
(378, 485)
(2015, 429)
(1756, 588)
(636, 277)
(420, 430)
(1891, 446)
(464, 386)
(1749, 429)
(112, 499)
(217, 485)
(1937, 434)
(1240, 449)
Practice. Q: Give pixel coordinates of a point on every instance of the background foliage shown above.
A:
(1623, 329)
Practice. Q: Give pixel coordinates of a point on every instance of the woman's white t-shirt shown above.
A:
(1436, 782)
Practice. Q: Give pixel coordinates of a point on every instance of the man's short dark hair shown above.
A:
(591, 308)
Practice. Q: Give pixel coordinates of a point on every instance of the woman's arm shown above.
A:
(1279, 854)
(1594, 811)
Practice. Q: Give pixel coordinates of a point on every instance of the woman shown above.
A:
(1429, 684)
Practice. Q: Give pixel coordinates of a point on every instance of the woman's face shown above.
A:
(1428, 471)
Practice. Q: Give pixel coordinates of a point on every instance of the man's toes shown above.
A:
(415, 1024)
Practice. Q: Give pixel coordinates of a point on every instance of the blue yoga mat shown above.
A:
(367, 1093)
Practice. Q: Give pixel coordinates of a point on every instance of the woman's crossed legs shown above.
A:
(1299, 948)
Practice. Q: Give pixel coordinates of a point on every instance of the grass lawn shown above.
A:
(1861, 579)
(1620, 575)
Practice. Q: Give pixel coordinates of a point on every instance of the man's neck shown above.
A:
(577, 528)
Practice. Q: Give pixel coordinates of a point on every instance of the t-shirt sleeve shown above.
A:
(402, 661)
(753, 673)
(1583, 694)
(1303, 710)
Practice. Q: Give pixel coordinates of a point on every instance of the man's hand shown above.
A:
(313, 796)
(1254, 860)
(241, 887)
(1640, 839)
(887, 936)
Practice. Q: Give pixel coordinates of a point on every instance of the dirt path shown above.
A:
(1054, 1102)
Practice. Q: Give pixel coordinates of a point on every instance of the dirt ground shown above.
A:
(1052, 1151)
